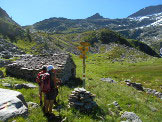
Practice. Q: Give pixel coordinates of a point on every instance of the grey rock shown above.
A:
(12, 104)
(109, 80)
(18, 86)
(160, 95)
(7, 85)
(29, 85)
(128, 80)
(153, 91)
(137, 86)
(32, 105)
(24, 85)
(115, 103)
(130, 116)
(148, 90)
(157, 94)
(128, 84)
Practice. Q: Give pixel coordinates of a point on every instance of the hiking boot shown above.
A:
(43, 109)
(55, 102)
(41, 103)
(46, 114)
(51, 116)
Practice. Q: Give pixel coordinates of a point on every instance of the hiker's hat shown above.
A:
(50, 67)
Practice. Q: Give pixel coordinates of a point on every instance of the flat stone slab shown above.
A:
(12, 104)
(25, 85)
(29, 85)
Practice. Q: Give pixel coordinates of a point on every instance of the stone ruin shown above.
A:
(82, 100)
(28, 66)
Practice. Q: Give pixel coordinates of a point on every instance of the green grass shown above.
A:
(97, 67)
(25, 45)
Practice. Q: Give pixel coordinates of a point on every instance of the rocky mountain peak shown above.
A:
(148, 11)
(3, 13)
(96, 16)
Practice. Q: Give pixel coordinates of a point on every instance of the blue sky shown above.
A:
(27, 12)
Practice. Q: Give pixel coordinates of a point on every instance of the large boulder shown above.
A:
(12, 104)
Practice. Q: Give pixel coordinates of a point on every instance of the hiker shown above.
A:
(38, 80)
(50, 89)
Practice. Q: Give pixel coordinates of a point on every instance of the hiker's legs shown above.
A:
(44, 100)
(47, 106)
(55, 95)
(40, 95)
(50, 105)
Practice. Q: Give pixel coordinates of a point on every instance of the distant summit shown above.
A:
(8, 27)
(148, 11)
(96, 16)
(3, 13)
(5, 17)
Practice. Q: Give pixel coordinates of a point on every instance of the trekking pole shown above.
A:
(60, 90)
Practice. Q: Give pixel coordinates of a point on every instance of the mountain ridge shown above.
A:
(150, 10)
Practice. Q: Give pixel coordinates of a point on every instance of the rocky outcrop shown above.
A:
(137, 86)
(153, 92)
(12, 104)
(8, 50)
(96, 16)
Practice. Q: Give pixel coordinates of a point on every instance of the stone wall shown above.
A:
(28, 67)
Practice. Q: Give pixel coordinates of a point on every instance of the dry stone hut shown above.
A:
(28, 66)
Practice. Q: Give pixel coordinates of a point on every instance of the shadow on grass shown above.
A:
(96, 113)
(74, 82)
(52, 117)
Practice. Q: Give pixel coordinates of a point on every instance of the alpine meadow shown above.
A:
(108, 70)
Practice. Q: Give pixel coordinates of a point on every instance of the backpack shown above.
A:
(39, 76)
(45, 83)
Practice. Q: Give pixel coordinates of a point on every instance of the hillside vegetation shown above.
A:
(69, 42)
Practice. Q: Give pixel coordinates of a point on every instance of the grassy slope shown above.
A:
(127, 97)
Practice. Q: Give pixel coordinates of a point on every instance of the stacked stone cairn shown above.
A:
(82, 100)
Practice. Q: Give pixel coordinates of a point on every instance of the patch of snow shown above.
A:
(144, 17)
(156, 23)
